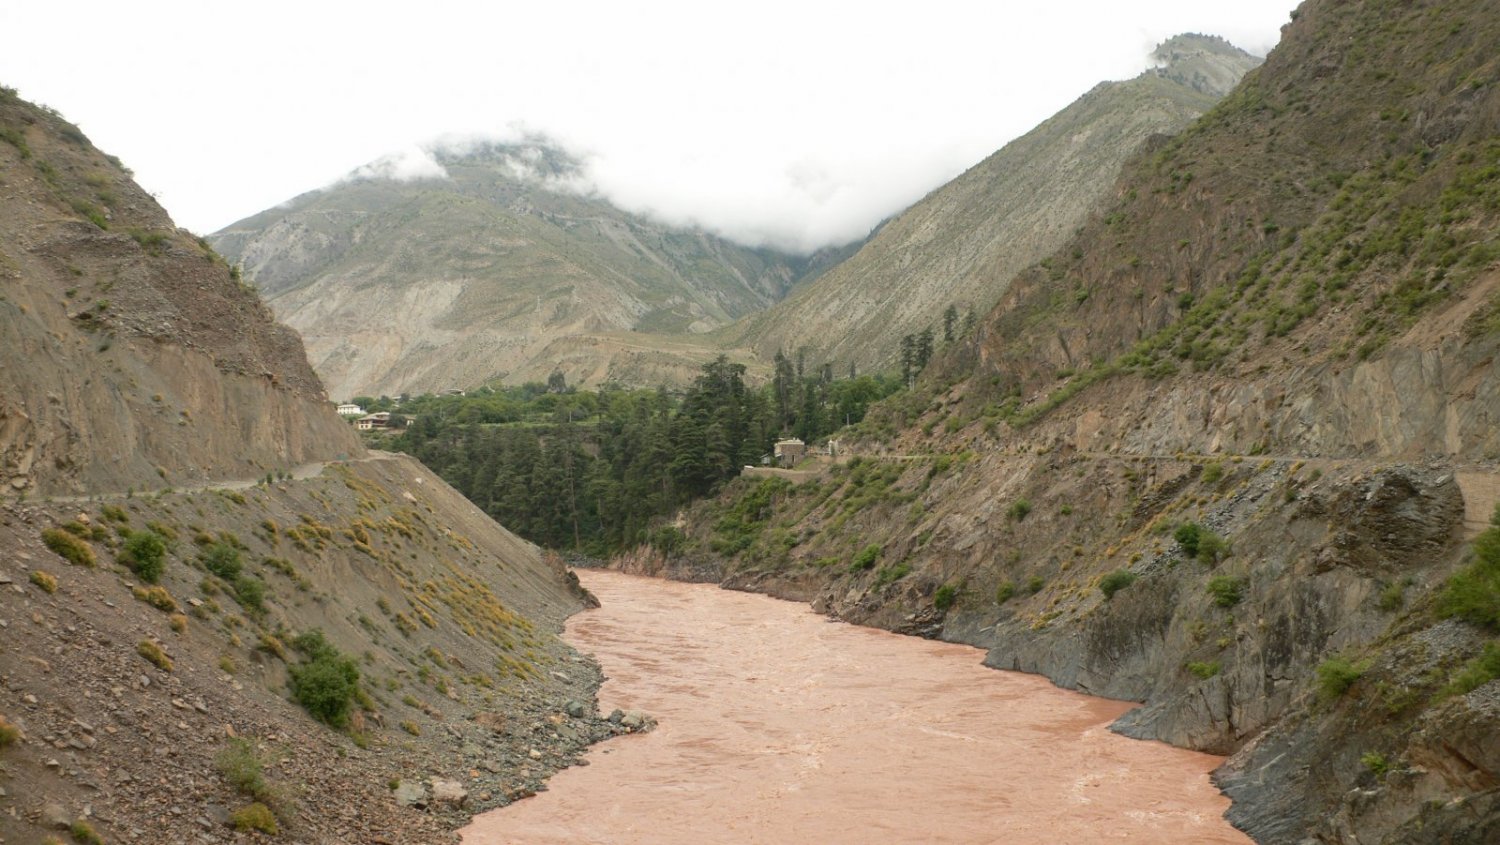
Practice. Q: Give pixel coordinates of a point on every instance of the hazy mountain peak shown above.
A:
(534, 158)
(1205, 63)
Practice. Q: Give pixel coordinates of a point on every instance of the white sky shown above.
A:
(793, 123)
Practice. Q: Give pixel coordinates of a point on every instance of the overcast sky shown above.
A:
(796, 124)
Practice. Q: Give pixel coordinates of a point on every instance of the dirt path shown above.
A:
(1479, 483)
(300, 473)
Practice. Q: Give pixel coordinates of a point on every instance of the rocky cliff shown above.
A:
(134, 359)
(963, 243)
(1227, 451)
(502, 267)
(220, 613)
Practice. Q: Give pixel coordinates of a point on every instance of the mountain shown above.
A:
(1228, 451)
(503, 267)
(963, 243)
(219, 610)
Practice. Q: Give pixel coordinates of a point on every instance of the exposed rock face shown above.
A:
(134, 361)
(502, 269)
(962, 243)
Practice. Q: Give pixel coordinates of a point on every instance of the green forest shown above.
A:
(588, 470)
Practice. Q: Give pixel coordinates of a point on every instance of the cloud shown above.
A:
(799, 125)
(405, 165)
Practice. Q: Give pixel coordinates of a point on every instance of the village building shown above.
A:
(789, 452)
(349, 409)
(380, 419)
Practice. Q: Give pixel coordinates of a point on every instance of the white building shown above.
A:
(351, 410)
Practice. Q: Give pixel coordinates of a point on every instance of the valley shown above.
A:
(1152, 462)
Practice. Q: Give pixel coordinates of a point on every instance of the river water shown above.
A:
(779, 726)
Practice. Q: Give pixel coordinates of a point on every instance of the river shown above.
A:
(780, 726)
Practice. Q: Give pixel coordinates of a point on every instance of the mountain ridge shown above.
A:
(433, 283)
(961, 244)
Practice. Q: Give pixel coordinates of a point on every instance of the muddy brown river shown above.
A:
(780, 726)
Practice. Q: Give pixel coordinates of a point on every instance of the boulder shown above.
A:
(449, 792)
(637, 720)
(411, 793)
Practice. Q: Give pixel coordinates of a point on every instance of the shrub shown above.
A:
(892, 574)
(1473, 593)
(223, 560)
(1336, 675)
(1018, 510)
(1212, 548)
(866, 558)
(241, 766)
(1004, 592)
(250, 592)
(145, 553)
(71, 548)
(1187, 536)
(157, 597)
(1227, 591)
(1212, 472)
(256, 816)
(326, 684)
(8, 733)
(1204, 670)
(1375, 762)
(1035, 583)
(1392, 596)
(1116, 581)
(411, 728)
(1477, 672)
(84, 833)
(945, 596)
(46, 581)
(178, 622)
(1198, 542)
(152, 652)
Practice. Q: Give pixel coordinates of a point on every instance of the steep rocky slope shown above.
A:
(192, 545)
(447, 282)
(132, 357)
(963, 243)
(1224, 452)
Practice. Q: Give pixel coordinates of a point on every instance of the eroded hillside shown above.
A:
(132, 358)
(220, 613)
(128, 694)
(1228, 452)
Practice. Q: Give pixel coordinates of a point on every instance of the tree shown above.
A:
(950, 318)
(782, 381)
(908, 359)
(924, 349)
(557, 383)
